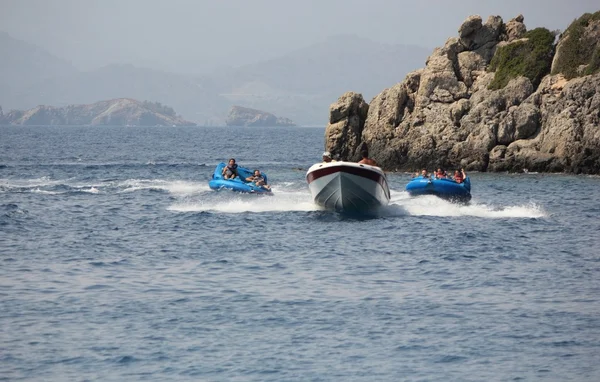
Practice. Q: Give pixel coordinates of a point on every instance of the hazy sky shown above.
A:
(196, 35)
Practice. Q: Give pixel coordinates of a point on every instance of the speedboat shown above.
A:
(238, 183)
(348, 186)
(444, 188)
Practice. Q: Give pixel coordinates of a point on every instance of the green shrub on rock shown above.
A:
(530, 57)
(594, 65)
(578, 48)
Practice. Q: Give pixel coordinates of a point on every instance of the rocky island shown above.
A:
(243, 116)
(496, 98)
(116, 112)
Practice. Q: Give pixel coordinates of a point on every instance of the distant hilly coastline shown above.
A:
(115, 112)
(244, 116)
(298, 85)
(24, 65)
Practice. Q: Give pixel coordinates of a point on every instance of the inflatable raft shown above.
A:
(239, 183)
(444, 188)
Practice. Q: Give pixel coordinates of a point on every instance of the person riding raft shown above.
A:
(459, 176)
(230, 171)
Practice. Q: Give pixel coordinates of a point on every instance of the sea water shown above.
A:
(117, 262)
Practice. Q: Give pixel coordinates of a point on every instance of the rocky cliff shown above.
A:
(495, 98)
(243, 116)
(116, 112)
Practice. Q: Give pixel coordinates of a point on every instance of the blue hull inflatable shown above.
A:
(443, 188)
(238, 183)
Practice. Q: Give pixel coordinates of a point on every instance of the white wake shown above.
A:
(433, 206)
(286, 197)
(177, 187)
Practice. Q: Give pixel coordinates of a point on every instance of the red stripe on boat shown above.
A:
(369, 174)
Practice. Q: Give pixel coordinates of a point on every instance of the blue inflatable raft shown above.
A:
(444, 188)
(238, 183)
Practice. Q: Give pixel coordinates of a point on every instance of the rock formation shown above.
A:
(485, 101)
(243, 116)
(346, 122)
(116, 112)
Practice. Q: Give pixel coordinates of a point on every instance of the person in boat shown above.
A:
(440, 174)
(327, 157)
(258, 179)
(424, 173)
(365, 158)
(230, 171)
(459, 176)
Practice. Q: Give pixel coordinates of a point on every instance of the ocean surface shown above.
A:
(118, 263)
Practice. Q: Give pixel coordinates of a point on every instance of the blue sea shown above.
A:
(118, 263)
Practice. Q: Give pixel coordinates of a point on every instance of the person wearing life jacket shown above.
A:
(258, 179)
(365, 158)
(440, 174)
(424, 174)
(230, 171)
(459, 176)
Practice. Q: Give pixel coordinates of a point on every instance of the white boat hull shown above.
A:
(348, 186)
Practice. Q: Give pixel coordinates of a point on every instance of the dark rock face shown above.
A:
(117, 112)
(346, 121)
(567, 136)
(445, 115)
(243, 116)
